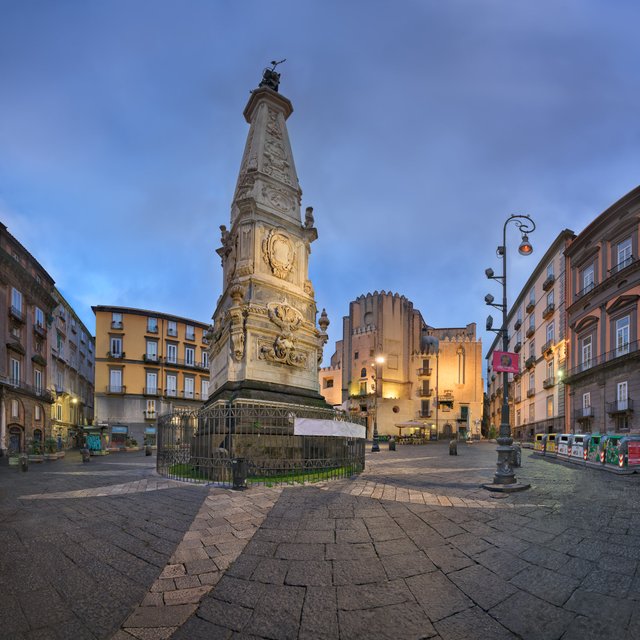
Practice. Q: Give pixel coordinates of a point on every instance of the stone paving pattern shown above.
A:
(412, 548)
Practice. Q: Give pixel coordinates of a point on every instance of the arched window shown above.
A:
(363, 372)
(461, 365)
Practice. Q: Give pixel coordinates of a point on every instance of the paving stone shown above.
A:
(358, 572)
(577, 567)
(618, 564)
(387, 621)
(546, 584)
(501, 562)
(350, 551)
(295, 551)
(394, 547)
(225, 614)
(407, 564)
(608, 583)
(271, 570)
(437, 595)
(197, 628)
(312, 573)
(532, 618)
(545, 557)
(481, 585)
(237, 591)
(172, 616)
(448, 558)
(373, 595)
(185, 596)
(472, 623)
(597, 605)
(590, 628)
(278, 614)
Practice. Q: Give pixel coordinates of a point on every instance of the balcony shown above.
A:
(620, 406)
(116, 388)
(424, 371)
(547, 383)
(190, 395)
(116, 324)
(626, 351)
(190, 336)
(152, 329)
(151, 357)
(117, 356)
(517, 324)
(171, 393)
(531, 305)
(152, 391)
(530, 331)
(16, 314)
(424, 414)
(39, 330)
(172, 332)
(530, 362)
(38, 392)
(517, 347)
(531, 393)
(548, 283)
(548, 310)
(623, 264)
(587, 289)
(517, 398)
(583, 414)
(547, 347)
(149, 415)
(425, 393)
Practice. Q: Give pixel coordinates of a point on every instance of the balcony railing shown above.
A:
(425, 393)
(116, 324)
(623, 264)
(583, 413)
(548, 310)
(517, 324)
(530, 362)
(626, 349)
(531, 393)
(424, 414)
(587, 289)
(152, 391)
(119, 356)
(171, 393)
(116, 388)
(190, 336)
(620, 406)
(149, 415)
(192, 364)
(39, 391)
(530, 331)
(517, 347)
(547, 347)
(152, 329)
(16, 314)
(190, 395)
(547, 383)
(424, 371)
(172, 332)
(151, 357)
(39, 330)
(531, 305)
(548, 283)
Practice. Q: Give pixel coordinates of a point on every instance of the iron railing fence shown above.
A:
(201, 445)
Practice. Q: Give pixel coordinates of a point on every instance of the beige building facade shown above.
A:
(147, 363)
(416, 378)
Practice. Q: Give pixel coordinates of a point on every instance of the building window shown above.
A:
(152, 325)
(586, 352)
(115, 381)
(550, 298)
(550, 367)
(16, 300)
(624, 254)
(549, 406)
(172, 384)
(532, 412)
(551, 333)
(116, 320)
(532, 381)
(37, 380)
(518, 417)
(328, 383)
(586, 400)
(151, 409)
(622, 336)
(15, 409)
(204, 389)
(116, 347)
(189, 356)
(39, 318)
(15, 371)
(550, 270)
(532, 322)
(59, 412)
(172, 353)
(356, 355)
(152, 382)
(189, 388)
(205, 359)
(532, 349)
(461, 365)
(622, 396)
(172, 328)
(37, 413)
(190, 332)
(152, 350)
(588, 279)
(532, 296)
(363, 388)
(363, 372)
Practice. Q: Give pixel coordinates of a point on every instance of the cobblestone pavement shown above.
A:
(412, 548)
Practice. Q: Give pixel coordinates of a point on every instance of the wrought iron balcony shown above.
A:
(517, 347)
(582, 414)
(16, 314)
(190, 395)
(547, 347)
(531, 305)
(548, 310)
(425, 393)
(531, 393)
(424, 414)
(151, 357)
(623, 264)
(517, 324)
(116, 324)
(530, 331)
(530, 362)
(116, 388)
(149, 415)
(620, 406)
(424, 371)
(152, 329)
(583, 292)
(39, 330)
(190, 336)
(152, 391)
(549, 382)
(171, 393)
(118, 356)
(548, 283)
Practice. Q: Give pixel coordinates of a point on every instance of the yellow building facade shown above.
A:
(147, 363)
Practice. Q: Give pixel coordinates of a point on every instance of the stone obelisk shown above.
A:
(264, 341)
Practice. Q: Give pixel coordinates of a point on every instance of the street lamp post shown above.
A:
(504, 478)
(375, 447)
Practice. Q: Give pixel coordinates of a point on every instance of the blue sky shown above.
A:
(419, 127)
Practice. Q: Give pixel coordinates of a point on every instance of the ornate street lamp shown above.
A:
(375, 447)
(504, 478)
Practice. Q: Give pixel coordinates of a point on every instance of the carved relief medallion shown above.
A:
(278, 252)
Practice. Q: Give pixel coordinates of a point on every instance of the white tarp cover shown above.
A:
(313, 427)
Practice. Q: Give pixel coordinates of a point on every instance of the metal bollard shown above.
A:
(147, 450)
(239, 471)
(24, 462)
(453, 447)
(86, 455)
(392, 444)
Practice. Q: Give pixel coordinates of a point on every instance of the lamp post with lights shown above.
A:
(504, 478)
(375, 447)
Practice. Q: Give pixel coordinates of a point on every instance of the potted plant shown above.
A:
(35, 452)
(50, 449)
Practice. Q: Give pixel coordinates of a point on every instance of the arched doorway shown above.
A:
(447, 431)
(15, 439)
